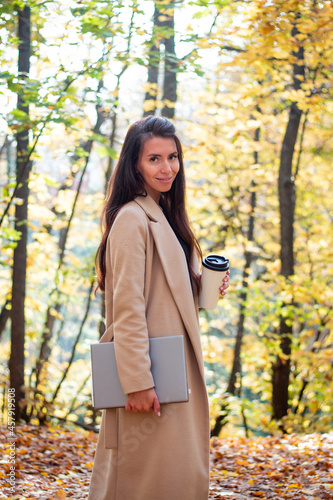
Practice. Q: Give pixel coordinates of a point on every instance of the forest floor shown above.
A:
(52, 463)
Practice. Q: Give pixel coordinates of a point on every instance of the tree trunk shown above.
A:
(150, 104)
(23, 168)
(162, 45)
(170, 70)
(4, 316)
(286, 187)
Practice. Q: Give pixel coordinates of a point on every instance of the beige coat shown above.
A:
(140, 456)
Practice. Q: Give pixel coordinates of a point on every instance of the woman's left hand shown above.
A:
(225, 284)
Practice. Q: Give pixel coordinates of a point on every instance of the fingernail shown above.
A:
(159, 414)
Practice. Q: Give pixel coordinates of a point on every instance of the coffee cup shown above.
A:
(214, 268)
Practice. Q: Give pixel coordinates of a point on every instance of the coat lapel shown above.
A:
(175, 269)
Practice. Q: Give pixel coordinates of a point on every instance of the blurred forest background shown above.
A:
(249, 85)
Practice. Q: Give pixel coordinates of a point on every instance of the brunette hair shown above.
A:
(126, 184)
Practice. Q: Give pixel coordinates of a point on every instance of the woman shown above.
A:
(147, 266)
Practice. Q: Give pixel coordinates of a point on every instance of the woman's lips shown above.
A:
(169, 179)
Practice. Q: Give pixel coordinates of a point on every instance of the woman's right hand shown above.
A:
(143, 401)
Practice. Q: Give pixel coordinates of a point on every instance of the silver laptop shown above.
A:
(168, 367)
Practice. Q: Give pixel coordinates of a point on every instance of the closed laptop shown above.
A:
(168, 368)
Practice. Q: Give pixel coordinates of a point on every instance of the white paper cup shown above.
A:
(214, 268)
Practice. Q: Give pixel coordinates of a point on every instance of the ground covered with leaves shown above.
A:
(55, 463)
(294, 467)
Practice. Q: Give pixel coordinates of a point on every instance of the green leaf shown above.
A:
(79, 11)
(5, 75)
(50, 182)
(107, 151)
(5, 192)
(19, 114)
(10, 233)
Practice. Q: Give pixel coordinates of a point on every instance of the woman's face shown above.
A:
(158, 164)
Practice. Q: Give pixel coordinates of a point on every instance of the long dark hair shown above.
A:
(126, 184)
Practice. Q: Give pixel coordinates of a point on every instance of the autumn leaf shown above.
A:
(59, 495)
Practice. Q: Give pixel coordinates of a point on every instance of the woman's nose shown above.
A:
(166, 166)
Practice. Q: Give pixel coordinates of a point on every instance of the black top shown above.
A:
(185, 248)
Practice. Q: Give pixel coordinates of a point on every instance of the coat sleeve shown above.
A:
(128, 238)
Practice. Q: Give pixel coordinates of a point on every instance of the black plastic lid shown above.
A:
(216, 262)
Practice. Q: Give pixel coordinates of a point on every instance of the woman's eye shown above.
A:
(173, 157)
(153, 159)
